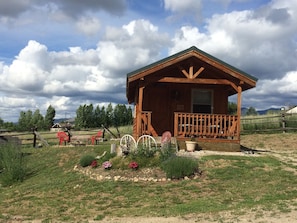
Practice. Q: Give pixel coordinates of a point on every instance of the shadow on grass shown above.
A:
(247, 150)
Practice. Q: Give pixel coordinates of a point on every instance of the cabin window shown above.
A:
(202, 101)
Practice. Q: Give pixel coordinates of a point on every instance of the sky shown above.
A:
(70, 53)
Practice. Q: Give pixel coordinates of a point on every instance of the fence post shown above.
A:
(283, 120)
(34, 138)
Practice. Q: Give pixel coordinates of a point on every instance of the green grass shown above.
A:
(53, 191)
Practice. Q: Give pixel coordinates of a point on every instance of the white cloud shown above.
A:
(88, 25)
(75, 75)
(185, 6)
(81, 51)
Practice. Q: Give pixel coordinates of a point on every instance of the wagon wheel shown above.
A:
(146, 142)
(127, 143)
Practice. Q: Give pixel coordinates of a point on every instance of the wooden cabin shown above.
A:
(187, 94)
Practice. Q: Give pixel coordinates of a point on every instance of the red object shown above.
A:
(63, 137)
(97, 137)
(166, 138)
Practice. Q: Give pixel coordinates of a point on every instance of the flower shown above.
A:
(107, 165)
(94, 164)
(133, 165)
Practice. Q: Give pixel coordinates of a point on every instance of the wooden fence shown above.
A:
(269, 123)
(249, 125)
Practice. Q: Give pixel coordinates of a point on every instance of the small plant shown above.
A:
(86, 160)
(133, 165)
(167, 153)
(107, 165)
(179, 167)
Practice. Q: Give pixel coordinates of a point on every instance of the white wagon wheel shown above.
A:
(128, 142)
(146, 142)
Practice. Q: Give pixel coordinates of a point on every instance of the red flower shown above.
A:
(94, 164)
(133, 165)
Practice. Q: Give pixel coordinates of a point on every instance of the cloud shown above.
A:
(13, 8)
(71, 77)
(73, 8)
(185, 8)
(246, 39)
(68, 53)
(88, 25)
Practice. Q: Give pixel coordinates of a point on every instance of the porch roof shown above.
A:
(172, 68)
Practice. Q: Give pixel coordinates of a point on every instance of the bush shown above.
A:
(12, 166)
(167, 153)
(178, 167)
(86, 160)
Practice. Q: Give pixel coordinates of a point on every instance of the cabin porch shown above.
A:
(211, 131)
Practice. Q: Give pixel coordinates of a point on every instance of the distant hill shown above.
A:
(261, 112)
(264, 112)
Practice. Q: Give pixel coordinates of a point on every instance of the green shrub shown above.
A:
(144, 151)
(12, 166)
(178, 167)
(86, 160)
(167, 152)
(108, 156)
(120, 162)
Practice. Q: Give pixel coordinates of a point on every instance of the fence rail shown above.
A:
(269, 123)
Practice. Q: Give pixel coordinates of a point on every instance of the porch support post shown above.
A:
(239, 90)
(139, 111)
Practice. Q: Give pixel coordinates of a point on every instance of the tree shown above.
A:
(122, 115)
(37, 120)
(49, 117)
(232, 108)
(109, 115)
(251, 111)
(84, 116)
(1, 123)
(25, 121)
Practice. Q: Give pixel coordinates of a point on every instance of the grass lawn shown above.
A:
(53, 191)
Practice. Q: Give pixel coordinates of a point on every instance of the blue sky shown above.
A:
(68, 53)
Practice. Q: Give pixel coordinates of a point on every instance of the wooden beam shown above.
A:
(196, 81)
(198, 72)
(191, 72)
(184, 72)
(138, 111)
(239, 90)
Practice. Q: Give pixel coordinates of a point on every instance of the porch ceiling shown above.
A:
(178, 68)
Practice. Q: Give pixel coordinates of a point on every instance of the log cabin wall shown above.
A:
(163, 99)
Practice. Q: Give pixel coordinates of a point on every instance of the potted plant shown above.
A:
(191, 145)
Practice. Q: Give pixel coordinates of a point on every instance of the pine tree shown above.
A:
(49, 117)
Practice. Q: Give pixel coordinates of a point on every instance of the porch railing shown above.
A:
(146, 120)
(145, 124)
(206, 125)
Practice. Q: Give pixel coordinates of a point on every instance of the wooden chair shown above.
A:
(96, 138)
(63, 137)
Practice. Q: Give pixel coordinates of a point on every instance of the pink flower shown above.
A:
(107, 165)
